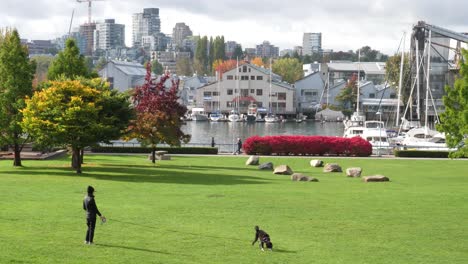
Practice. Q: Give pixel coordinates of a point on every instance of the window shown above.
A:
(282, 105)
(215, 94)
(229, 104)
(259, 92)
(244, 68)
(206, 93)
(281, 96)
(244, 92)
(259, 78)
(230, 77)
(229, 91)
(372, 95)
(252, 78)
(392, 96)
(244, 78)
(111, 82)
(252, 91)
(249, 69)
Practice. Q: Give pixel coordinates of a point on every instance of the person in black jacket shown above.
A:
(89, 205)
(263, 237)
(239, 146)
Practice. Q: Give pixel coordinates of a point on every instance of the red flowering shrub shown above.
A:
(307, 145)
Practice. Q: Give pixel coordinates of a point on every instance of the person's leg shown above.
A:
(88, 223)
(91, 230)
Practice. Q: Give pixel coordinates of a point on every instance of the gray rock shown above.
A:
(332, 167)
(253, 160)
(316, 163)
(353, 172)
(283, 169)
(266, 166)
(302, 177)
(375, 178)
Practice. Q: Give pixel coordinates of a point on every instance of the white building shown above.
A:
(252, 86)
(311, 43)
(109, 35)
(145, 24)
(123, 75)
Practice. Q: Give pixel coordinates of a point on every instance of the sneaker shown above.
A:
(86, 243)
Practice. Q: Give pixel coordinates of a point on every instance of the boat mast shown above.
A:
(358, 79)
(269, 99)
(418, 69)
(218, 73)
(400, 84)
(428, 76)
(237, 103)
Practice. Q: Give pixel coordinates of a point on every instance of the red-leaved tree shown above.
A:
(158, 113)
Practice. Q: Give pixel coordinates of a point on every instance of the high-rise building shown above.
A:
(145, 24)
(230, 47)
(267, 50)
(87, 32)
(311, 43)
(179, 33)
(109, 35)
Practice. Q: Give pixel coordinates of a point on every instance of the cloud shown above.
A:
(345, 24)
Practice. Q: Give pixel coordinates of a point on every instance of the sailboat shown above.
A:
(234, 115)
(271, 117)
(216, 115)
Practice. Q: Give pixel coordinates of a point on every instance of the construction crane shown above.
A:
(89, 7)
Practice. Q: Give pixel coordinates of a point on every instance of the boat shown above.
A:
(234, 116)
(376, 134)
(259, 119)
(216, 116)
(251, 113)
(271, 118)
(199, 114)
(424, 138)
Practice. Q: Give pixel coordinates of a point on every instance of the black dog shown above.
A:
(263, 237)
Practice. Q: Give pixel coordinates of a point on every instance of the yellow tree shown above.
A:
(257, 61)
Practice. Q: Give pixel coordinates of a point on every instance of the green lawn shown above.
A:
(203, 210)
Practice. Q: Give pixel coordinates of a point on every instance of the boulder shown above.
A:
(353, 172)
(375, 178)
(316, 163)
(266, 166)
(332, 167)
(302, 177)
(283, 169)
(253, 160)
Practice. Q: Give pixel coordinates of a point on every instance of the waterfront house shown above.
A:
(123, 75)
(245, 85)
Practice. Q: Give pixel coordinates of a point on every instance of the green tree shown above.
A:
(42, 66)
(77, 113)
(392, 74)
(157, 67)
(348, 96)
(290, 69)
(100, 64)
(201, 56)
(16, 76)
(238, 53)
(454, 120)
(184, 67)
(69, 63)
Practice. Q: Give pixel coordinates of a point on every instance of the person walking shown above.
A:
(239, 146)
(89, 205)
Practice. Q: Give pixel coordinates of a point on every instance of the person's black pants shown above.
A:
(91, 223)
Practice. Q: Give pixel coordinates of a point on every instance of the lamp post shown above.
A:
(380, 131)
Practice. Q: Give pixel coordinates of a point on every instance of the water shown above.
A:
(226, 133)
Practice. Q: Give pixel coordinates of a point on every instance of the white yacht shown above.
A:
(251, 113)
(424, 138)
(216, 116)
(271, 118)
(199, 114)
(234, 116)
(376, 134)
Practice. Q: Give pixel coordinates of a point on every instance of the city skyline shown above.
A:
(344, 24)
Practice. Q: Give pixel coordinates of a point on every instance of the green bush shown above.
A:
(421, 154)
(170, 150)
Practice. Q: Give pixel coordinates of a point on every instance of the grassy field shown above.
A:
(203, 210)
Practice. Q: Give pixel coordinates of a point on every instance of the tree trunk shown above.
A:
(17, 161)
(153, 155)
(76, 159)
(82, 156)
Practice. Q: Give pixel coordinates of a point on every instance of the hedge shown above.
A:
(421, 154)
(170, 150)
(307, 145)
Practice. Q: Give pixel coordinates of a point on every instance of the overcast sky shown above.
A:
(345, 24)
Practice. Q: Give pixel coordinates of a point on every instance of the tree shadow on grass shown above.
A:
(180, 167)
(279, 250)
(145, 175)
(131, 248)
